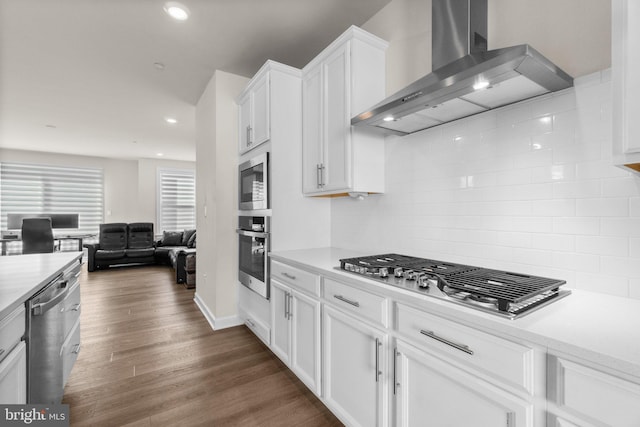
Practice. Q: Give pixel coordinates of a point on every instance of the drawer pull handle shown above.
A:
(289, 276)
(76, 307)
(348, 301)
(378, 371)
(460, 347)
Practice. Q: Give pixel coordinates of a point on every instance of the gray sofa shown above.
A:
(133, 243)
(173, 249)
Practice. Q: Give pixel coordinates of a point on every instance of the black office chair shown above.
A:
(37, 236)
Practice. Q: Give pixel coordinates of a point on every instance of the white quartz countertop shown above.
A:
(598, 328)
(21, 276)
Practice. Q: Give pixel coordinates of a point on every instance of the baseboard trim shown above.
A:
(216, 323)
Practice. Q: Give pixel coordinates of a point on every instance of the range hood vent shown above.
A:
(468, 79)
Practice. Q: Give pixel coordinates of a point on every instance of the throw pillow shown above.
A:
(192, 241)
(171, 238)
(186, 235)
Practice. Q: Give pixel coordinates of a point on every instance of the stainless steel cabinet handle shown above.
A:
(322, 174)
(460, 347)
(290, 306)
(319, 175)
(252, 233)
(289, 276)
(286, 305)
(378, 371)
(348, 301)
(76, 349)
(76, 307)
(395, 373)
(249, 142)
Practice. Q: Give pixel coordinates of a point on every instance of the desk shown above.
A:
(78, 237)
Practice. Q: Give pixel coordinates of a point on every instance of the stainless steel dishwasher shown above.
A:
(53, 336)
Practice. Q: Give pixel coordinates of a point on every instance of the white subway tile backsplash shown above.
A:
(599, 245)
(602, 207)
(527, 188)
(576, 225)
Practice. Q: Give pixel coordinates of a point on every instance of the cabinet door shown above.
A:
(305, 340)
(353, 374)
(430, 392)
(280, 331)
(13, 376)
(337, 140)
(260, 128)
(244, 122)
(312, 130)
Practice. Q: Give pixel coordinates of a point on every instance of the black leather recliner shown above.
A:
(121, 243)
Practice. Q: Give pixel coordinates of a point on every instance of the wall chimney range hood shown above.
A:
(467, 79)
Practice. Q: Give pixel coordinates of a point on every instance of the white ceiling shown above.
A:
(78, 76)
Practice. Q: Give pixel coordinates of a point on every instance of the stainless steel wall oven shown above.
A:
(253, 183)
(253, 260)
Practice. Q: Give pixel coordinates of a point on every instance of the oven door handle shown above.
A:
(40, 309)
(252, 233)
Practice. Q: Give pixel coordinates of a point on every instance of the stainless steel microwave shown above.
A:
(253, 183)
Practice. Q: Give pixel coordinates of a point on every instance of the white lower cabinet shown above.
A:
(354, 374)
(585, 396)
(295, 327)
(13, 376)
(430, 392)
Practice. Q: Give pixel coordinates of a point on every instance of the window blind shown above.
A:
(177, 200)
(38, 189)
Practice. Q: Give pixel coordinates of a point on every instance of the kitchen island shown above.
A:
(39, 318)
(574, 361)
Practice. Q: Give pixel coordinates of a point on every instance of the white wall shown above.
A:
(129, 185)
(216, 198)
(528, 188)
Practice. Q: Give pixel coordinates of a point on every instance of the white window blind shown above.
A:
(38, 189)
(176, 200)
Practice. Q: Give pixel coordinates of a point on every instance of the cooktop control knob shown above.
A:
(383, 272)
(410, 275)
(397, 272)
(423, 281)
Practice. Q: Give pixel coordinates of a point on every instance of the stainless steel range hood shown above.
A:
(468, 79)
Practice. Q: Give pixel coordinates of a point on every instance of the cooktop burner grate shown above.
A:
(509, 293)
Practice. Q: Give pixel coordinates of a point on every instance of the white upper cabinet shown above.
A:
(345, 79)
(254, 121)
(625, 66)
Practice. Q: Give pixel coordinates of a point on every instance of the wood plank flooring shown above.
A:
(149, 358)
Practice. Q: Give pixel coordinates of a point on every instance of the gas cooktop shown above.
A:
(507, 294)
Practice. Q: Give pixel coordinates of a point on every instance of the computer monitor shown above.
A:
(14, 220)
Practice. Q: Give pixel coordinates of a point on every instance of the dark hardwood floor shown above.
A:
(149, 358)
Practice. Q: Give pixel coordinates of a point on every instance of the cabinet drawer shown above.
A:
(12, 329)
(13, 376)
(588, 393)
(70, 351)
(495, 357)
(71, 308)
(300, 279)
(365, 304)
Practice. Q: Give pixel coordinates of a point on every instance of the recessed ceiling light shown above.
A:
(176, 10)
(159, 154)
(170, 120)
(159, 66)
(51, 126)
(388, 119)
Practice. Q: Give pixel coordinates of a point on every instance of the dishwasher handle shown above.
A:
(43, 307)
